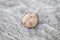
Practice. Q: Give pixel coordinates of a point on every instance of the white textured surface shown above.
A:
(12, 12)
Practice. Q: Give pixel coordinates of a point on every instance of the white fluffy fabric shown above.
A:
(12, 12)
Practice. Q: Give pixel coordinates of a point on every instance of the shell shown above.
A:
(30, 20)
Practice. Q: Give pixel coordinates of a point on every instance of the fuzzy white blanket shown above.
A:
(12, 12)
